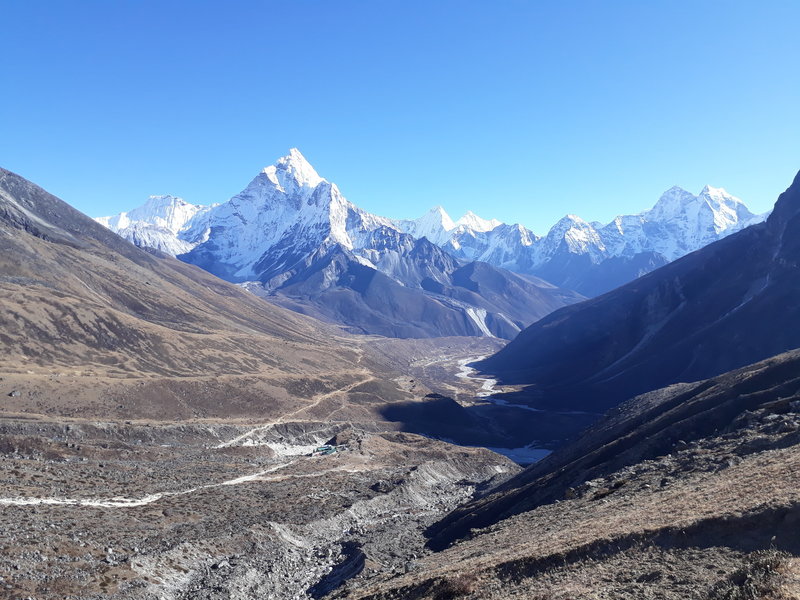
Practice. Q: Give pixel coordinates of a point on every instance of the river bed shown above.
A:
(524, 455)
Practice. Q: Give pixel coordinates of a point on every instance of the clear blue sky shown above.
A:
(522, 111)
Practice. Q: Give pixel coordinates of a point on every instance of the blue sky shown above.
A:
(522, 111)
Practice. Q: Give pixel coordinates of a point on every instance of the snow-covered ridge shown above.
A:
(439, 228)
(162, 222)
(288, 211)
(679, 223)
(167, 212)
(473, 222)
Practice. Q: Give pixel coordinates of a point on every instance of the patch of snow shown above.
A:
(478, 316)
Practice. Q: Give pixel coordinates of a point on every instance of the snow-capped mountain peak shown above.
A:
(167, 212)
(286, 210)
(678, 223)
(671, 204)
(437, 216)
(578, 237)
(159, 222)
(292, 171)
(715, 192)
(434, 225)
(728, 211)
(473, 222)
(718, 197)
(676, 203)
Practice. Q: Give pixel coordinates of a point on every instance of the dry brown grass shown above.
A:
(459, 586)
(765, 576)
(557, 534)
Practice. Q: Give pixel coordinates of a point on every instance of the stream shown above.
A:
(524, 455)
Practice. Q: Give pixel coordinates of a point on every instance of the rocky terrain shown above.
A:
(686, 492)
(108, 510)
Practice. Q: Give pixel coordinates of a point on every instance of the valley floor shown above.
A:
(93, 510)
(211, 508)
(167, 498)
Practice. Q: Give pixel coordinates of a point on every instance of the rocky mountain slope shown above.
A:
(434, 294)
(686, 492)
(79, 303)
(726, 305)
(293, 238)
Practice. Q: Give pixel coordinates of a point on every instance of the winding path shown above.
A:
(316, 401)
(121, 502)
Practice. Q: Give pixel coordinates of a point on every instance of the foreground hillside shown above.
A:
(687, 492)
(76, 294)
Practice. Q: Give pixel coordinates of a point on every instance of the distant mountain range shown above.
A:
(592, 258)
(292, 236)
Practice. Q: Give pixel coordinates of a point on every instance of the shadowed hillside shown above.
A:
(729, 304)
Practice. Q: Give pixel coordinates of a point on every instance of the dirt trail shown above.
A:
(283, 419)
(122, 502)
(284, 450)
